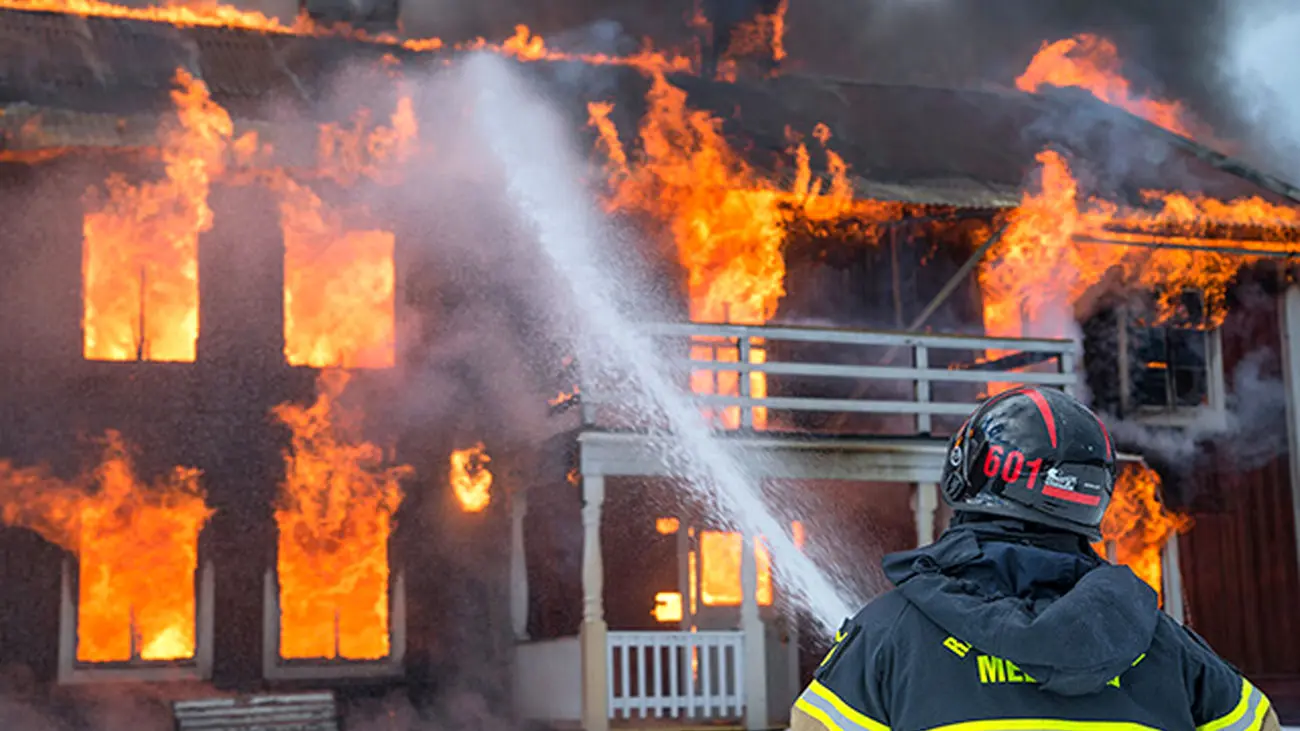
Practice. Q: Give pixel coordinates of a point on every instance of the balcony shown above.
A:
(821, 403)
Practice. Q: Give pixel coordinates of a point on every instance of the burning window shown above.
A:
(140, 278)
(338, 287)
(1157, 368)
(1170, 364)
(334, 516)
(470, 479)
(668, 607)
(136, 546)
(339, 276)
(1170, 368)
(720, 570)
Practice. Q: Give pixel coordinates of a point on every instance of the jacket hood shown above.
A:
(1044, 601)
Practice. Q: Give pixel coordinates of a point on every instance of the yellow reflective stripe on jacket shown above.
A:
(1247, 716)
(822, 704)
(1042, 724)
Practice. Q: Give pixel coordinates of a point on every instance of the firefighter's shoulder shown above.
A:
(850, 688)
(1221, 696)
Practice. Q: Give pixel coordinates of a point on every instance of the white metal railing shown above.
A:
(898, 363)
(690, 675)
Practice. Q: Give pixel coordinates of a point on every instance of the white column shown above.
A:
(594, 633)
(925, 501)
(518, 565)
(67, 626)
(684, 573)
(1171, 579)
(755, 641)
(1290, 317)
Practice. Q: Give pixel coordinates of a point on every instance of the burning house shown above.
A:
(217, 472)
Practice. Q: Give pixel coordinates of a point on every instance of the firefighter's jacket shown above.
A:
(998, 628)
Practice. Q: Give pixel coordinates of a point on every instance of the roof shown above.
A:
(100, 81)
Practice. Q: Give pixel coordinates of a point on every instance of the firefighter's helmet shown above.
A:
(1036, 455)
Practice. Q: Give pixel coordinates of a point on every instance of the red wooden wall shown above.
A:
(1239, 560)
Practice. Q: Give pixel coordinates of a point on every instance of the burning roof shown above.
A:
(103, 81)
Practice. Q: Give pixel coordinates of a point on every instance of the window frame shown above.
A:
(275, 667)
(72, 671)
(1215, 407)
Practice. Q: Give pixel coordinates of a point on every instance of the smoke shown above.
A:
(1250, 431)
(1261, 67)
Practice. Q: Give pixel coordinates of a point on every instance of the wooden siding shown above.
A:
(1238, 561)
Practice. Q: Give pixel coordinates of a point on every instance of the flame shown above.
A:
(667, 526)
(720, 570)
(137, 550)
(564, 397)
(1139, 525)
(334, 513)
(338, 286)
(524, 45)
(728, 222)
(140, 256)
(1092, 63)
(1047, 259)
(668, 607)
(470, 478)
(339, 308)
(189, 14)
(764, 35)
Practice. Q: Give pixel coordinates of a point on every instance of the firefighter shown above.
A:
(1010, 620)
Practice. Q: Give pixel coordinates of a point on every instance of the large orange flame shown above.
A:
(339, 281)
(720, 556)
(1092, 63)
(470, 479)
(338, 286)
(335, 514)
(727, 221)
(1139, 524)
(140, 257)
(1048, 257)
(137, 550)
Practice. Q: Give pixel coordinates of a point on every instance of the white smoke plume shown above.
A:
(1249, 431)
(1261, 67)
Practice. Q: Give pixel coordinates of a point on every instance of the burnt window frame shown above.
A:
(196, 668)
(1188, 322)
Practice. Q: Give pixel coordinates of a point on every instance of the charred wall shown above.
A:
(878, 279)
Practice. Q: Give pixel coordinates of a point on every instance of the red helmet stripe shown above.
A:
(1106, 435)
(1046, 410)
(1070, 495)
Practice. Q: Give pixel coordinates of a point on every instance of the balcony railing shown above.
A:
(686, 675)
(823, 380)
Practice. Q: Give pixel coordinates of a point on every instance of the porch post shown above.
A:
(518, 565)
(753, 638)
(1171, 580)
(925, 501)
(1290, 306)
(593, 635)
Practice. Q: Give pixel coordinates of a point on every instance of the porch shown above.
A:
(740, 670)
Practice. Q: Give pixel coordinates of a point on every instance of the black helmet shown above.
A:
(1037, 455)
